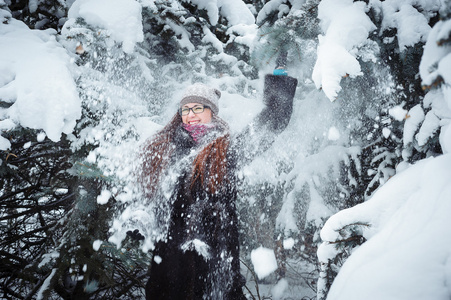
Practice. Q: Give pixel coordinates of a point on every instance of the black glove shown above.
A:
(135, 235)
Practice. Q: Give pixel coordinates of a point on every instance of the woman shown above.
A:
(198, 256)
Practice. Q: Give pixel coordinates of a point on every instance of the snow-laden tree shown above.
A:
(427, 132)
(36, 189)
(400, 44)
(405, 224)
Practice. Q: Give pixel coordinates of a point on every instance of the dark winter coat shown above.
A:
(200, 259)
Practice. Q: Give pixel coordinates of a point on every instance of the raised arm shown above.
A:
(258, 136)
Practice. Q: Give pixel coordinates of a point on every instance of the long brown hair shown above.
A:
(209, 167)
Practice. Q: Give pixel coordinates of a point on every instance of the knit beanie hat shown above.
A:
(203, 94)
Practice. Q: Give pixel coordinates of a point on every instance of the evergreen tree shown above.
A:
(56, 188)
(382, 138)
(194, 44)
(39, 14)
(426, 136)
(36, 192)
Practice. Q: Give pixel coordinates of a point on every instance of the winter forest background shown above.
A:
(351, 202)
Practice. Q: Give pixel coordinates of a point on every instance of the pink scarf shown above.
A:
(197, 131)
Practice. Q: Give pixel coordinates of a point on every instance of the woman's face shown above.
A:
(199, 118)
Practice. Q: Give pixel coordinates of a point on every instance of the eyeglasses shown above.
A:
(184, 111)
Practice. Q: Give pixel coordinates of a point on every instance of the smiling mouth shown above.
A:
(194, 122)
